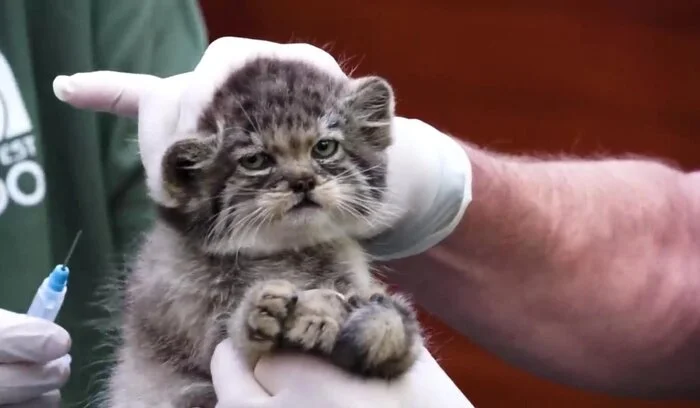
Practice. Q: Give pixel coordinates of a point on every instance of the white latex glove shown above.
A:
(429, 174)
(32, 357)
(298, 380)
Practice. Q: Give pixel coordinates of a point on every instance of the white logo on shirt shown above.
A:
(22, 180)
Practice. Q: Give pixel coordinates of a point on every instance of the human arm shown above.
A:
(585, 272)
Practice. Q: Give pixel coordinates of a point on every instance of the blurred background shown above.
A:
(566, 76)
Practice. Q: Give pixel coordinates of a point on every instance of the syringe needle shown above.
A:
(72, 247)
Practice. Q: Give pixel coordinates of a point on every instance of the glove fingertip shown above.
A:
(64, 369)
(59, 345)
(62, 88)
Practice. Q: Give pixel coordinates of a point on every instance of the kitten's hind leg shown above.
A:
(380, 338)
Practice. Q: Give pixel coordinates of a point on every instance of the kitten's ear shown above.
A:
(183, 164)
(370, 104)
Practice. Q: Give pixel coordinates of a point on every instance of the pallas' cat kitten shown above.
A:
(286, 171)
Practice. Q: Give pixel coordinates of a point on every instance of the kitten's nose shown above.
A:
(302, 184)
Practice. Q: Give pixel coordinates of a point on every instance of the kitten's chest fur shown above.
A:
(178, 298)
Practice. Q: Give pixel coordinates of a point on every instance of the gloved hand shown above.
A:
(429, 174)
(32, 357)
(298, 380)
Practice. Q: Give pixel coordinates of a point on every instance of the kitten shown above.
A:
(286, 172)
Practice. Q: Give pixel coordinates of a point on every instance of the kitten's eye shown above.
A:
(256, 161)
(325, 148)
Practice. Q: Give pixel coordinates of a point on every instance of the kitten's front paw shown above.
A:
(381, 337)
(316, 321)
(260, 320)
(272, 304)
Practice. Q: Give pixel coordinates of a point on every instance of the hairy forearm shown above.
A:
(587, 272)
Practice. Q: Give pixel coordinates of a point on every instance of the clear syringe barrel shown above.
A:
(49, 297)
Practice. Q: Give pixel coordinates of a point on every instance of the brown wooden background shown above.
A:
(574, 76)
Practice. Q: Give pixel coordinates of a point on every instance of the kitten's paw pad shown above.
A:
(313, 332)
(380, 339)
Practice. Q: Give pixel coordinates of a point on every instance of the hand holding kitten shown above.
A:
(300, 380)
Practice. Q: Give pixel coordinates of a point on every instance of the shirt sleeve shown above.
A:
(158, 37)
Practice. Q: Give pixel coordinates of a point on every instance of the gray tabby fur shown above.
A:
(236, 256)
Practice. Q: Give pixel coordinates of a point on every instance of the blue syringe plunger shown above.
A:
(58, 278)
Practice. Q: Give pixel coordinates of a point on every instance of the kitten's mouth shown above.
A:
(305, 202)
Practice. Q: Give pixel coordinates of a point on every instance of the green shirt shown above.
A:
(63, 170)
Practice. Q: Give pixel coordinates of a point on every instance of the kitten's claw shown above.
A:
(313, 332)
(316, 320)
(263, 327)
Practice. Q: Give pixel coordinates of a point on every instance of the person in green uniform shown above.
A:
(63, 170)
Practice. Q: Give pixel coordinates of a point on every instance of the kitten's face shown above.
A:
(286, 157)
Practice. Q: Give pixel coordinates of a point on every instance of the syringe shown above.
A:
(50, 295)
